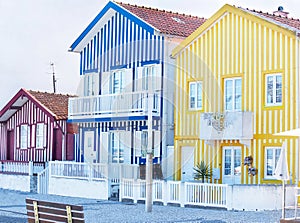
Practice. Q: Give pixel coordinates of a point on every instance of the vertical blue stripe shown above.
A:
(151, 48)
(130, 45)
(81, 58)
(123, 40)
(117, 34)
(108, 45)
(95, 52)
(119, 39)
(101, 58)
(87, 56)
(98, 51)
(143, 50)
(91, 54)
(158, 47)
(154, 48)
(138, 44)
(163, 48)
(112, 62)
(127, 51)
(146, 46)
(84, 59)
(134, 42)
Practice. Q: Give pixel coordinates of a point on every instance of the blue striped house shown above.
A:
(124, 55)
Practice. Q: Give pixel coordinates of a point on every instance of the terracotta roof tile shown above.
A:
(166, 21)
(294, 23)
(56, 103)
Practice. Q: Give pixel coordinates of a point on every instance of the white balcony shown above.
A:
(226, 126)
(123, 105)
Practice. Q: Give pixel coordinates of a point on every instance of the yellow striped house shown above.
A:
(237, 83)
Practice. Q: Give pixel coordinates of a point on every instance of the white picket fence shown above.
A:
(176, 192)
(86, 171)
(19, 167)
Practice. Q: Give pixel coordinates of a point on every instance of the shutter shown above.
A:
(127, 80)
(45, 136)
(156, 144)
(138, 79)
(157, 76)
(80, 89)
(18, 136)
(138, 143)
(28, 136)
(96, 84)
(105, 83)
(104, 147)
(125, 143)
(33, 136)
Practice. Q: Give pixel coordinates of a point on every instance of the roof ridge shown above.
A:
(160, 10)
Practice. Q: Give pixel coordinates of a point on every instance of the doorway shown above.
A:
(231, 165)
(187, 163)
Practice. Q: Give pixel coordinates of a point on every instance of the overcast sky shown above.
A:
(34, 33)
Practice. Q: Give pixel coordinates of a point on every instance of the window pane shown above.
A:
(237, 162)
(199, 95)
(278, 89)
(39, 135)
(238, 94)
(228, 94)
(23, 137)
(227, 167)
(270, 90)
(269, 162)
(192, 95)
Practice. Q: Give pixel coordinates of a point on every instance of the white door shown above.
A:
(89, 153)
(231, 165)
(187, 163)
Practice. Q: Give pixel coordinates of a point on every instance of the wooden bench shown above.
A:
(45, 211)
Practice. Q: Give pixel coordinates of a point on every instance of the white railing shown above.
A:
(93, 171)
(176, 192)
(43, 181)
(124, 104)
(20, 167)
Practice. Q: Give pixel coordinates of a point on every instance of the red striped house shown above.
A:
(33, 127)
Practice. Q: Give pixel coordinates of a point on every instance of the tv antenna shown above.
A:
(53, 78)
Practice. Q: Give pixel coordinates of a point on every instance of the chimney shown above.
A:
(280, 12)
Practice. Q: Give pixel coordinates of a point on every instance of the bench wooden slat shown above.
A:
(53, 212)
(54, 204)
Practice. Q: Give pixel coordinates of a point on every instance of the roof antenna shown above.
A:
(53, 77)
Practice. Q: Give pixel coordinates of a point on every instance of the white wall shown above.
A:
(258, 197)
(15, 182)
(78, 188)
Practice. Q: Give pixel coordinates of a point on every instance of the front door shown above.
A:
(10, 145)
(89, 153)
(231, 165)
(187, 163)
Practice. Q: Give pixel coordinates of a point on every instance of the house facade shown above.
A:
(237, 83)
(33, 127)
(126, 77)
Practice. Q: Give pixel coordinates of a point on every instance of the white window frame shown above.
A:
(23, 136)
(274, 90)
(116, 148)
(275, 156)
(198, 84)
(234, 94)
(39, 138)
(90, 84)
(120, 78)
(149, 73)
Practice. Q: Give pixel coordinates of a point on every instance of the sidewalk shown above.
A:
(12, 209)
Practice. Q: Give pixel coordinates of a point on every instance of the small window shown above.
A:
(117, 81)
(149, 73)
(117, 150)
(40, 135)
(195, 95)
(273, 89)
(24, 136)
(233, 94)
(271, 158)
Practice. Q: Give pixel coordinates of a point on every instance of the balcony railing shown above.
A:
(226, 126)
(114, 105)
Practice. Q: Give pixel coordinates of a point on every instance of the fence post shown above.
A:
(136, 186)
(30, 168)
(165, 193)
(182, 193)
(120, 190)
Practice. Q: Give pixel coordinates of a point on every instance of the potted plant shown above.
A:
(202, 171)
